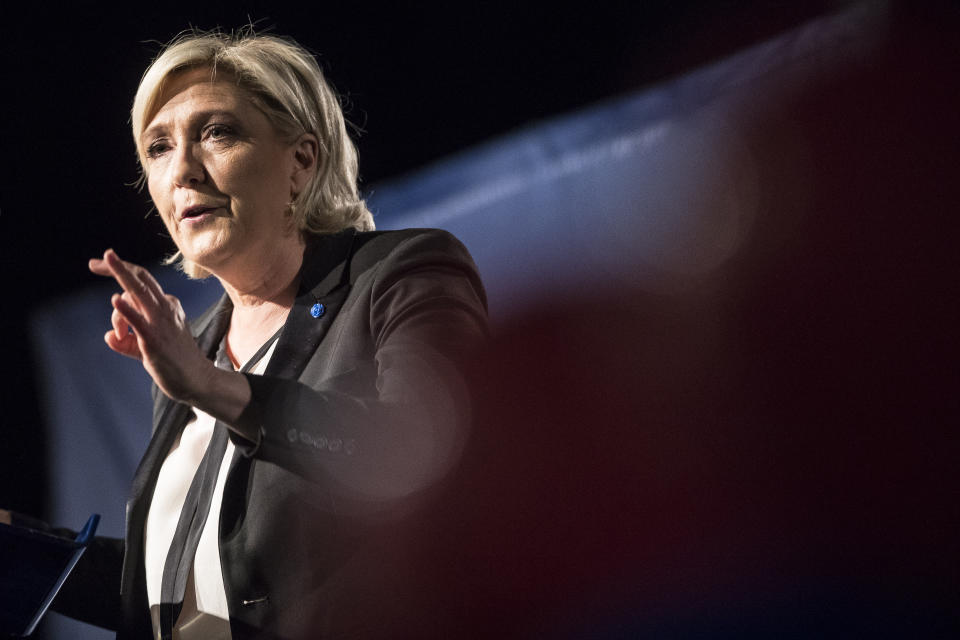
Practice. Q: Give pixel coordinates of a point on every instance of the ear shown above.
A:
(306, 153)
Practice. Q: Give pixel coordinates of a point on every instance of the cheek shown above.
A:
(260, 181)
(161, 200)
(153, 189)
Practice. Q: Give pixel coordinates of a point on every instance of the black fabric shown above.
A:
(196, 508)
(193, 517)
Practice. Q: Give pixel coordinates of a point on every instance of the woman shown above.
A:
(320, 392)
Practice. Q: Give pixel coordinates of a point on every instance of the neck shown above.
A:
(262, 297)
(268, 277)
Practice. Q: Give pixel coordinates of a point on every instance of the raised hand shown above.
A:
(149, 325)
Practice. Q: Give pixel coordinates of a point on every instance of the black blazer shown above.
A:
(359, 411)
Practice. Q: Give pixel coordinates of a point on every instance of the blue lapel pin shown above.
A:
(317, 310)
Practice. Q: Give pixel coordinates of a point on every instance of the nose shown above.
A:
(188, 169)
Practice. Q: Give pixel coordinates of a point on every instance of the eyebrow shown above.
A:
(196, 116)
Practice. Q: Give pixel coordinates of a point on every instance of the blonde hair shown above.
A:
(286, 84)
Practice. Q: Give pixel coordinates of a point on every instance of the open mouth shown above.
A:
(196, 212)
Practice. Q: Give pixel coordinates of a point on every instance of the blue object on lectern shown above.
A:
(33, 566)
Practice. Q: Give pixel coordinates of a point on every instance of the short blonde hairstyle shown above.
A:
(285, 82)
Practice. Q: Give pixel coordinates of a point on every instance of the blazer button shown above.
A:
(292, 435)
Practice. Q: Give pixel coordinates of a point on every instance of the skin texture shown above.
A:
(221, 179)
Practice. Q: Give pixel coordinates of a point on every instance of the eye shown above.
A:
(157, 148)
(217, 131)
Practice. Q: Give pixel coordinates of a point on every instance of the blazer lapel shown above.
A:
(324, 280)
(169, 415)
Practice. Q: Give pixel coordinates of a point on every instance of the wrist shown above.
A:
(223, 394)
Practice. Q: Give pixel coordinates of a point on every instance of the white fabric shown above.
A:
(205, 614)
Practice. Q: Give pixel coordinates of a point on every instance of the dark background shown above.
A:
(419, 81)
(846, 336)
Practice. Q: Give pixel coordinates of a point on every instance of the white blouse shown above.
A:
(204, 615)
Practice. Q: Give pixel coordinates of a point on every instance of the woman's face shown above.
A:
(219, 174)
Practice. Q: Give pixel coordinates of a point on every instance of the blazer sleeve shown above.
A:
(427, 319)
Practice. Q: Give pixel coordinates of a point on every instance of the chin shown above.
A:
(206, 251)
(207, 258)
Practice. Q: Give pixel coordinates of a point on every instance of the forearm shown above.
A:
(378, 447)
(224, 396)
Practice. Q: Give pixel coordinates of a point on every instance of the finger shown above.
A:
(129, 313)
(143, 276)
(124, 340)
(175, 306)
(150, 283)
(99, 267)
(126, 346)
(144, 281)
(128, 275)
(120, 325)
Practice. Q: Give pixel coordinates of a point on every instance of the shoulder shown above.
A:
(382, 259)
(373, 246)
(408, 249)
